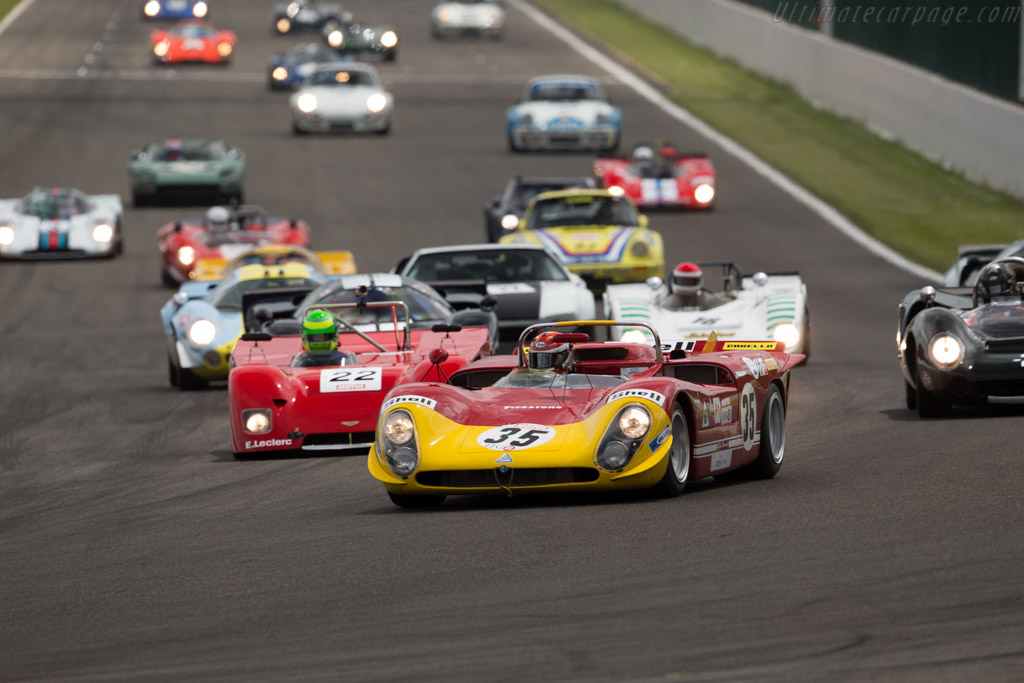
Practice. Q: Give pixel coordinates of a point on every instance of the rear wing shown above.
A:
(328, 262)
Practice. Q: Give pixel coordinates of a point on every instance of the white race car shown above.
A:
(468, 17)
(342, 97)
(563, 112)
(762, 306)
(57, 222)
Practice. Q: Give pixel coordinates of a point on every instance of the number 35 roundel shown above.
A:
(516, 437)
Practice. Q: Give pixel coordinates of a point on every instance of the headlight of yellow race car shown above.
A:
(398, 443)
(623, 437)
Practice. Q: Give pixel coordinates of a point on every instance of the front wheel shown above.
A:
(930, 405)
(190, 381)
(911, 395)
(677, 473)
(773, 436)
(407, 501)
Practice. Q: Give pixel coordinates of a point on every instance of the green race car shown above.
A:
(350, 38)
(186, 168)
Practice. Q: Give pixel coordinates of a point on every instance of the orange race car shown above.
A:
(192, 40)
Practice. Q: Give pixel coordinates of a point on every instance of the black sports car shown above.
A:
(502, 213)
(304, 15)
(965, 346)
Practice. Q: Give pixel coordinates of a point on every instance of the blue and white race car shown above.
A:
(57, 222)
(203, 320)
(563, 112)
(290, 69)
(175, 9)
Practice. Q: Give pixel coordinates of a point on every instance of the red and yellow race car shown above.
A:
(659, 176)
(222, 235)
(568, 414)
(192, 40)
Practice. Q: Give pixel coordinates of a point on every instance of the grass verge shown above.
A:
(6, 6)
(913, 205)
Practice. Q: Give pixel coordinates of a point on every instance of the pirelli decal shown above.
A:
(750, 346)
(417, 400)
(638, 393)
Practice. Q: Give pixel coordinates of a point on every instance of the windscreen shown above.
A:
(342, 78)
(526, 378)
(582, 210)
(228, 297)
(58, 204)
(489, 266)
(422, 306)
(193, 31)
(563, 91)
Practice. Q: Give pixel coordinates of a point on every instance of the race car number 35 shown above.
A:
(516, 437)
(349, 379)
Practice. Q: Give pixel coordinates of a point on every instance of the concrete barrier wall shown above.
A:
(963, 129)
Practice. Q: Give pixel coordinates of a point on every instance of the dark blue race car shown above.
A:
(290, 69)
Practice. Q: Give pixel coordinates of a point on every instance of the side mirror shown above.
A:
(642, 221)
(437, 356)
(760, 279)
(654, 282)
(927, 294)
(180, 298)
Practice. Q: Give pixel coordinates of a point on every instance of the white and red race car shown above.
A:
(659, 176)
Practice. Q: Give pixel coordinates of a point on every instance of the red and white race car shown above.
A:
(659, 176)
(223, 234)
(192, 40)
(276, 407)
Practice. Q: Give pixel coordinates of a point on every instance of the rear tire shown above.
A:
(407, 501)
(773, 437)
(677, 470)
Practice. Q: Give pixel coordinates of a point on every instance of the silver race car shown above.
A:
(468, 17)
(563, 113)
(342, 97)
(57, 222)
(527, 282)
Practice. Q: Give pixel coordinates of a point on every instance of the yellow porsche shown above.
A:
(598, 234)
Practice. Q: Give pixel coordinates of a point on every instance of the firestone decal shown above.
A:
(638, 393)
(266, 443)
(417, 400)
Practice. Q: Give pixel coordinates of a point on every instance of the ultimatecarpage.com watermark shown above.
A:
(887, 14)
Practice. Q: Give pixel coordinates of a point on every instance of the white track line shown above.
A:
(762, 168)
(15, 12)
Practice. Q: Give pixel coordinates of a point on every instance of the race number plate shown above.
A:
(336, 380)
(516, 437)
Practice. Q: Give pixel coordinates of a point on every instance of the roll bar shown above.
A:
(404, 345)
(593, 323)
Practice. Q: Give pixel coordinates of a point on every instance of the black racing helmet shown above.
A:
(995, 280)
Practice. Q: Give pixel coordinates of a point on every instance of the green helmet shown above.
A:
(319, 333)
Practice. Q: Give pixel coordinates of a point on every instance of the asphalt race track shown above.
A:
(134, 547)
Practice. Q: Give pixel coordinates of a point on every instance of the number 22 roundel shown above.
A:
(516, 437)
(350, 379)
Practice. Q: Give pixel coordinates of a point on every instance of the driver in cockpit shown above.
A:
(320, 342)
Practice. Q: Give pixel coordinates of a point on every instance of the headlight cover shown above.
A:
(6, 235)
(389, 39)
(224, 49)
(397, 441)
(279, 74)
(199, 10)
(335, 38)
(640, 249)
(186, 255)
(306, 103)
(617, 447)
(152, 8)
(161, 48)
(788, 334)
(946, 350)
(635, 336)
(510, 221)
(376, 102)
(704, 193)
(257, 420)
(202, 332)
(103, 233)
